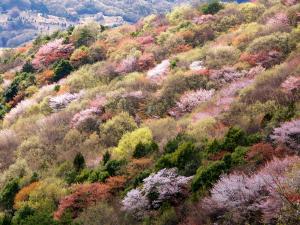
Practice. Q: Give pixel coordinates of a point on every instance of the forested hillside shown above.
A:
(190, 117)
(22, 20)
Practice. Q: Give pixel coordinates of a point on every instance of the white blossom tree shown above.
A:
(165, 185)
(289, 134)
(243, 195)
(60, 102)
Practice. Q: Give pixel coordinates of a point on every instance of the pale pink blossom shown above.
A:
(243, 195)
(289, 134)
(291, 84)
(203, 19)
(227, 75)
(159, 72)
(19, 110)
(255, 71)
(279, 19)
(51, 52)
(133, 94)
(145, 40)
(127, 65)
(83, 115)
(196, 65)
(189, 100)
(166, 184)
(60, 102)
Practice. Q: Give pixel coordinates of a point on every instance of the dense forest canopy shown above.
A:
(191, 117)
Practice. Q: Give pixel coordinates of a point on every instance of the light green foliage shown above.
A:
(238, 155)
(115, 128)
(129, 141)
(202, 130)
(85, 34)
(191, 55)
(251, 11)
(218, 56)
(34, 152)
(47, 195)
(279, 41)
(162, 130)
(228, 18)
(180, 13)
(18, 169)
(295, 36)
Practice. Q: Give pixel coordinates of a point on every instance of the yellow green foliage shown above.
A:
(130, 140)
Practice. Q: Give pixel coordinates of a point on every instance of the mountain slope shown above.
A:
(21, 21)
(186, 118)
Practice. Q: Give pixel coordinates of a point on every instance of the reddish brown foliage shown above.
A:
(202, 72)
(293, 197)
(18, 98)
(146, 61)
(261, 151)
(182, 48)
(145, 40)
(218, 155)
(45, 77)
(265, 59)
(85, 195)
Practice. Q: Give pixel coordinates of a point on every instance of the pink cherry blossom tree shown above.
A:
(51, 52)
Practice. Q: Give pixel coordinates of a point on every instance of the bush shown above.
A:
(173, 144)
(91, 215)
(238, 156)
(8, 193)
(20, 82)
(234, 137)
(112, 131)
(168, 217)
(186, 158)
(61, 69)
(113, 166)
(106, 157)
(212, 7)
(219, 56)
(28, 68)
(276, 41)
(22, 214)
(85, 35)
(39, 217)
(98, 176)
(208, 174)
(129, 141)
(80, 57)
(79, 162)
(142, 150)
